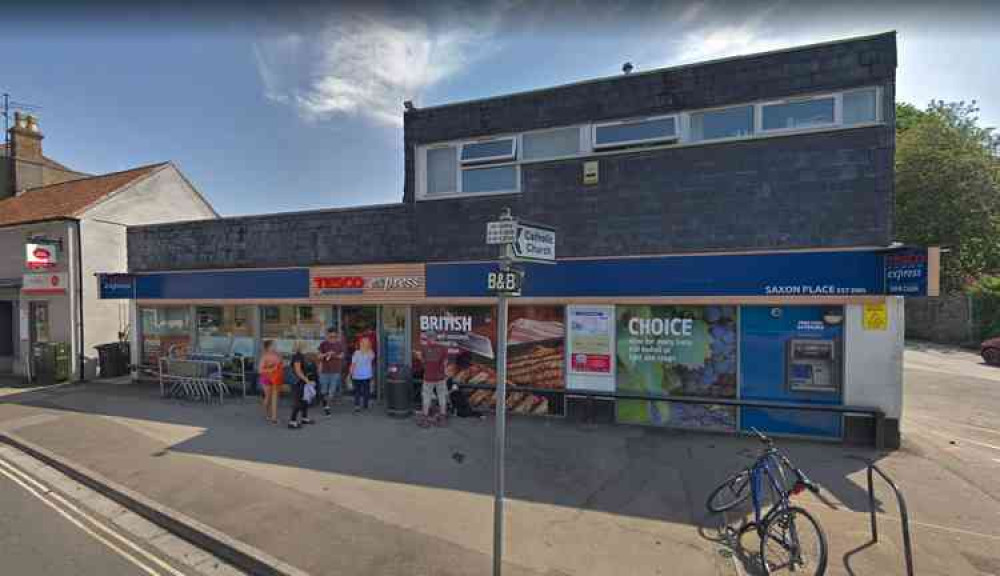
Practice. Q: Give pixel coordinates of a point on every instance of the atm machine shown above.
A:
(813, 366)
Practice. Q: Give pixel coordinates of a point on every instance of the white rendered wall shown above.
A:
(873, 374)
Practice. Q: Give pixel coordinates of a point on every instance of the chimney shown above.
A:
(25, 138)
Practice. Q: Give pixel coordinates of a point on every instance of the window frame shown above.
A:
(589, 149)
(688, 133)
(462, 193)
(422, 170)
(837, 113)
(878, 106)
(582, 136)
(512, 157)
(676, 137)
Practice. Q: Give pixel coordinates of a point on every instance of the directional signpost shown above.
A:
(518, 241)
(535, 243)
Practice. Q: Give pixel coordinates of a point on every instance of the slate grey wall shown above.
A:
(371, 234)
(809, 69)
(830, 189)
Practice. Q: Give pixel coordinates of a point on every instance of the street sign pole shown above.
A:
(500, 434)
(518, 242)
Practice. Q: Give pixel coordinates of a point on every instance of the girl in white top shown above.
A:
(361, 374)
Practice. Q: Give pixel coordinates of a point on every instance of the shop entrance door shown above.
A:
(361, 322)
(7, 338)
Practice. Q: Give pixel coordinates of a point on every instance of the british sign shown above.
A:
(51, 283)
(535, 243)
(40, 256)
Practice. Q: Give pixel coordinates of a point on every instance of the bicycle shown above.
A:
(784, 530)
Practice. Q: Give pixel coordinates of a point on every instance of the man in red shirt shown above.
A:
(331, 366)
(435, 360)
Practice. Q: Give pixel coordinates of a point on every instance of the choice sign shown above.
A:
(40, 256)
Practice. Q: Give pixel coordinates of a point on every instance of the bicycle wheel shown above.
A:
(793, 543)
(730, 493)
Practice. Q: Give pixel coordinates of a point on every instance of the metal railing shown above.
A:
(904, 517)
(191, 379)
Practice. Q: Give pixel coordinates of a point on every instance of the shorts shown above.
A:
(329, 383)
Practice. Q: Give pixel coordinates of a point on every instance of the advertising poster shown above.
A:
(470, 334)
(590, 340)
(676, 351)
(536, 352)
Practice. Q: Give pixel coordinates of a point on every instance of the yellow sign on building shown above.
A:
(876, 316)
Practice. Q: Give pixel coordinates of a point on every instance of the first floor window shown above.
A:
(728, 123)
(801, 114)
(496, 179)
(859, 107)
(442, 170)
(635, 132)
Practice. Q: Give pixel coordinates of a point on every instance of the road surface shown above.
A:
(39, 534)
(951, 405)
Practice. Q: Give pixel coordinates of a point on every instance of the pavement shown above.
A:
(367, 494)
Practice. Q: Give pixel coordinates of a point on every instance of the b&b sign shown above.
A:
(506, 281)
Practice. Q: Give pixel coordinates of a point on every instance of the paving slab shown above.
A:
(367, 494)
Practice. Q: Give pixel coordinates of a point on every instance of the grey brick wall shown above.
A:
(831, 189)
(834, 66)
(370, 234)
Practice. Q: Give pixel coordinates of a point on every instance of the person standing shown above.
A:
(435, 360)
(361, 373)
(300, 406)
(331, 365)
(271, 379)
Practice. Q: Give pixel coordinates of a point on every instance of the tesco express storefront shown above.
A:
(805, 327)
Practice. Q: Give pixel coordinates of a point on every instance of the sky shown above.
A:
(276, 107)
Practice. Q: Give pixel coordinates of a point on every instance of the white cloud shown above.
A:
(365, 65)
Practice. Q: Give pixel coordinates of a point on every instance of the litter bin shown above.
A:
(113, 359)
(50, 362)
(398, 390)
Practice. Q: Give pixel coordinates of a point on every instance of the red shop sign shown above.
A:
(338, 282)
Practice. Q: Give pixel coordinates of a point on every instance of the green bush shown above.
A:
(986, 306)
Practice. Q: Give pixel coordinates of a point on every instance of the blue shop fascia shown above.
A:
(798, 327)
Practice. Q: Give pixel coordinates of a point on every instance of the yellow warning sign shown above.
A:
(876, 317)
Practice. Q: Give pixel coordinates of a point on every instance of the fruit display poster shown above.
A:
(676, 351)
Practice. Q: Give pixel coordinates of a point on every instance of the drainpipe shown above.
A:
(79, 299)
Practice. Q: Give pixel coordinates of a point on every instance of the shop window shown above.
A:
(860, 106)
(558, 143)
(728, 123)
(496, 179)
(499, 150)
(164, 331)
(799, 114)
(442, 170)
(286, 324)
(225, 330)
(39, 321)
(648, 131)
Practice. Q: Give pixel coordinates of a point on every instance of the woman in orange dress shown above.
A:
(272, 372)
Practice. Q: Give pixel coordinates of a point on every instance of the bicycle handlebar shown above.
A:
(761, 437)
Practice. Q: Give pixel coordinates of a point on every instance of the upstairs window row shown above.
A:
(493, 165)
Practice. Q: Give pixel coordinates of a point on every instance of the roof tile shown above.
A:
(68, 199)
